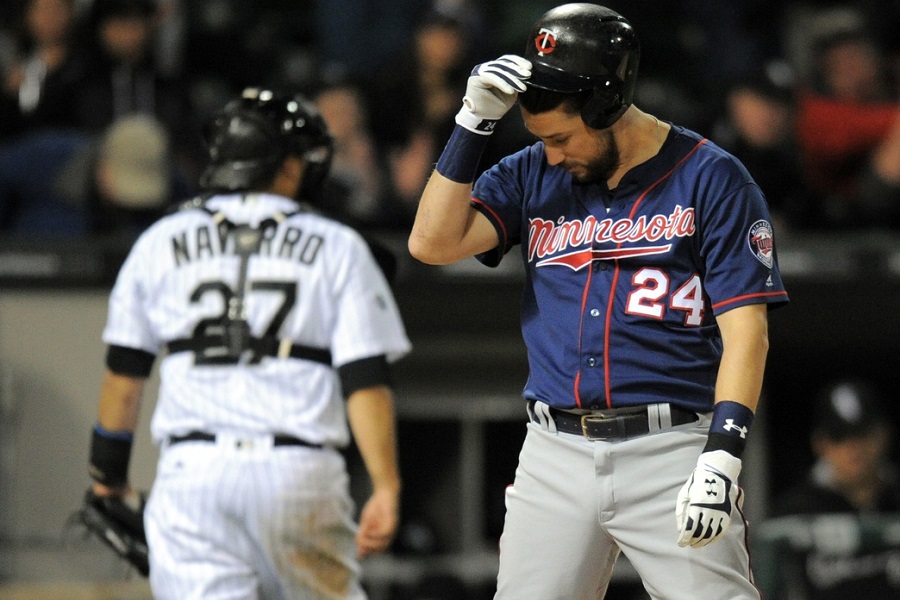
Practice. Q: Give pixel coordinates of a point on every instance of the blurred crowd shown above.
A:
(102, 102)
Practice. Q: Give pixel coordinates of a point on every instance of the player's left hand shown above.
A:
(491, 90)
(378, 522)
(705, 502)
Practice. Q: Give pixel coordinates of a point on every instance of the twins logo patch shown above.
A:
(761, 242)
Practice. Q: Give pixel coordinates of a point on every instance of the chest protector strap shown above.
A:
(227, 341)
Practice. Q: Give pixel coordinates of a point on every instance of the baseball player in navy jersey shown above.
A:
(275, 328)
(650, 268)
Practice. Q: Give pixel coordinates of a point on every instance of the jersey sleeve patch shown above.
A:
(761, 242)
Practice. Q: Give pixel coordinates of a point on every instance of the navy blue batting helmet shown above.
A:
(579, 47)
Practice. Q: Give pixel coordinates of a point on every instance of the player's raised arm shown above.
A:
(447, 228)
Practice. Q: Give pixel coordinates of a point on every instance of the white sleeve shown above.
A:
(368, 321)
(127, 323)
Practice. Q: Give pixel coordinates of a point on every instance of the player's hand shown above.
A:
(378, 522)
(705, 502)
(491, 91)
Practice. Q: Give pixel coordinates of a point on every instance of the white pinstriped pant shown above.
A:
(246, 524)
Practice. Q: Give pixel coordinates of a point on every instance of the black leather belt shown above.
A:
(277, 440)
(615, 424)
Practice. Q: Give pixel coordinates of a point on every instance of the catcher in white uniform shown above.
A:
(277, 328)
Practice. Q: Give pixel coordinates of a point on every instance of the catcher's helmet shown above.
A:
(580, 46)
(251, 136)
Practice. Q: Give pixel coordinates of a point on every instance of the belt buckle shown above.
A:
(245, 443)
(593, 418)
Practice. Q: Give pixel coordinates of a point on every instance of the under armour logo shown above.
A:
(729, 425)
(710, 487)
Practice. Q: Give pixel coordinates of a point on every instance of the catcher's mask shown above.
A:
(251, 136)
(579, 47)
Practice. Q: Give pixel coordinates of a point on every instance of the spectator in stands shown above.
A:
(357, 186)
(37, 87)
(852, 475)
(412, 105)
(848, 128)
(757, 125)
(69, 185)
(124, 78)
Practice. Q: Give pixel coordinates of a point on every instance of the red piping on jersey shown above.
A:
(584, 298)
(616, 271)
(739, 298)
(497, 220)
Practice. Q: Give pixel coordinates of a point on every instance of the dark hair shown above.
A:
(537, 100)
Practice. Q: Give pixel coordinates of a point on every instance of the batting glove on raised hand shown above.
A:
(705, 502)
(491, 91)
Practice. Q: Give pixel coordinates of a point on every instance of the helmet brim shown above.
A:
(557, 80)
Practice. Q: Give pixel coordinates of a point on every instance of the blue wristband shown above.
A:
(461, 155)
(729, 428)
(123, 436)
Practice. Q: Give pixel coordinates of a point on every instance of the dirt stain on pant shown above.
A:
(326, 574)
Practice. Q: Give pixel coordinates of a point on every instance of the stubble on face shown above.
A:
(602, 166)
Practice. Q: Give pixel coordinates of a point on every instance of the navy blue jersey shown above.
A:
(623, 285)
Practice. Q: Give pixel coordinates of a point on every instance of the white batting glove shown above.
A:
(704, 505)
(491, 91)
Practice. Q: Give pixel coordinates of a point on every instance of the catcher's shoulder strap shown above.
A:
(231, 339)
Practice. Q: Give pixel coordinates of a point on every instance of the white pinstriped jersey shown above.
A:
(313, 281)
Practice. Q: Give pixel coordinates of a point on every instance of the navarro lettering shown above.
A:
(209, 240)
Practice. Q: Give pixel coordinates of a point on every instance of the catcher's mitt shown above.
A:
(119, 523)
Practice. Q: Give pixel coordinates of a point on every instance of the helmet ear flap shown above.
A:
(605, 105)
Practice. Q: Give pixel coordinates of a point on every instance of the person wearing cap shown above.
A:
(852, 476)
(123, 77)
(851, 439)
(67, 184)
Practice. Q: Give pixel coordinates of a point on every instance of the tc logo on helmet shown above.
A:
(545, 42)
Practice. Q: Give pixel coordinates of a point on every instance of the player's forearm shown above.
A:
(120, 402)
(112, 435)
(746, 345)
(442, 221)
(370, 412)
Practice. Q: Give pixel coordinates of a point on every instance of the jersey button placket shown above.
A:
(592, 361)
